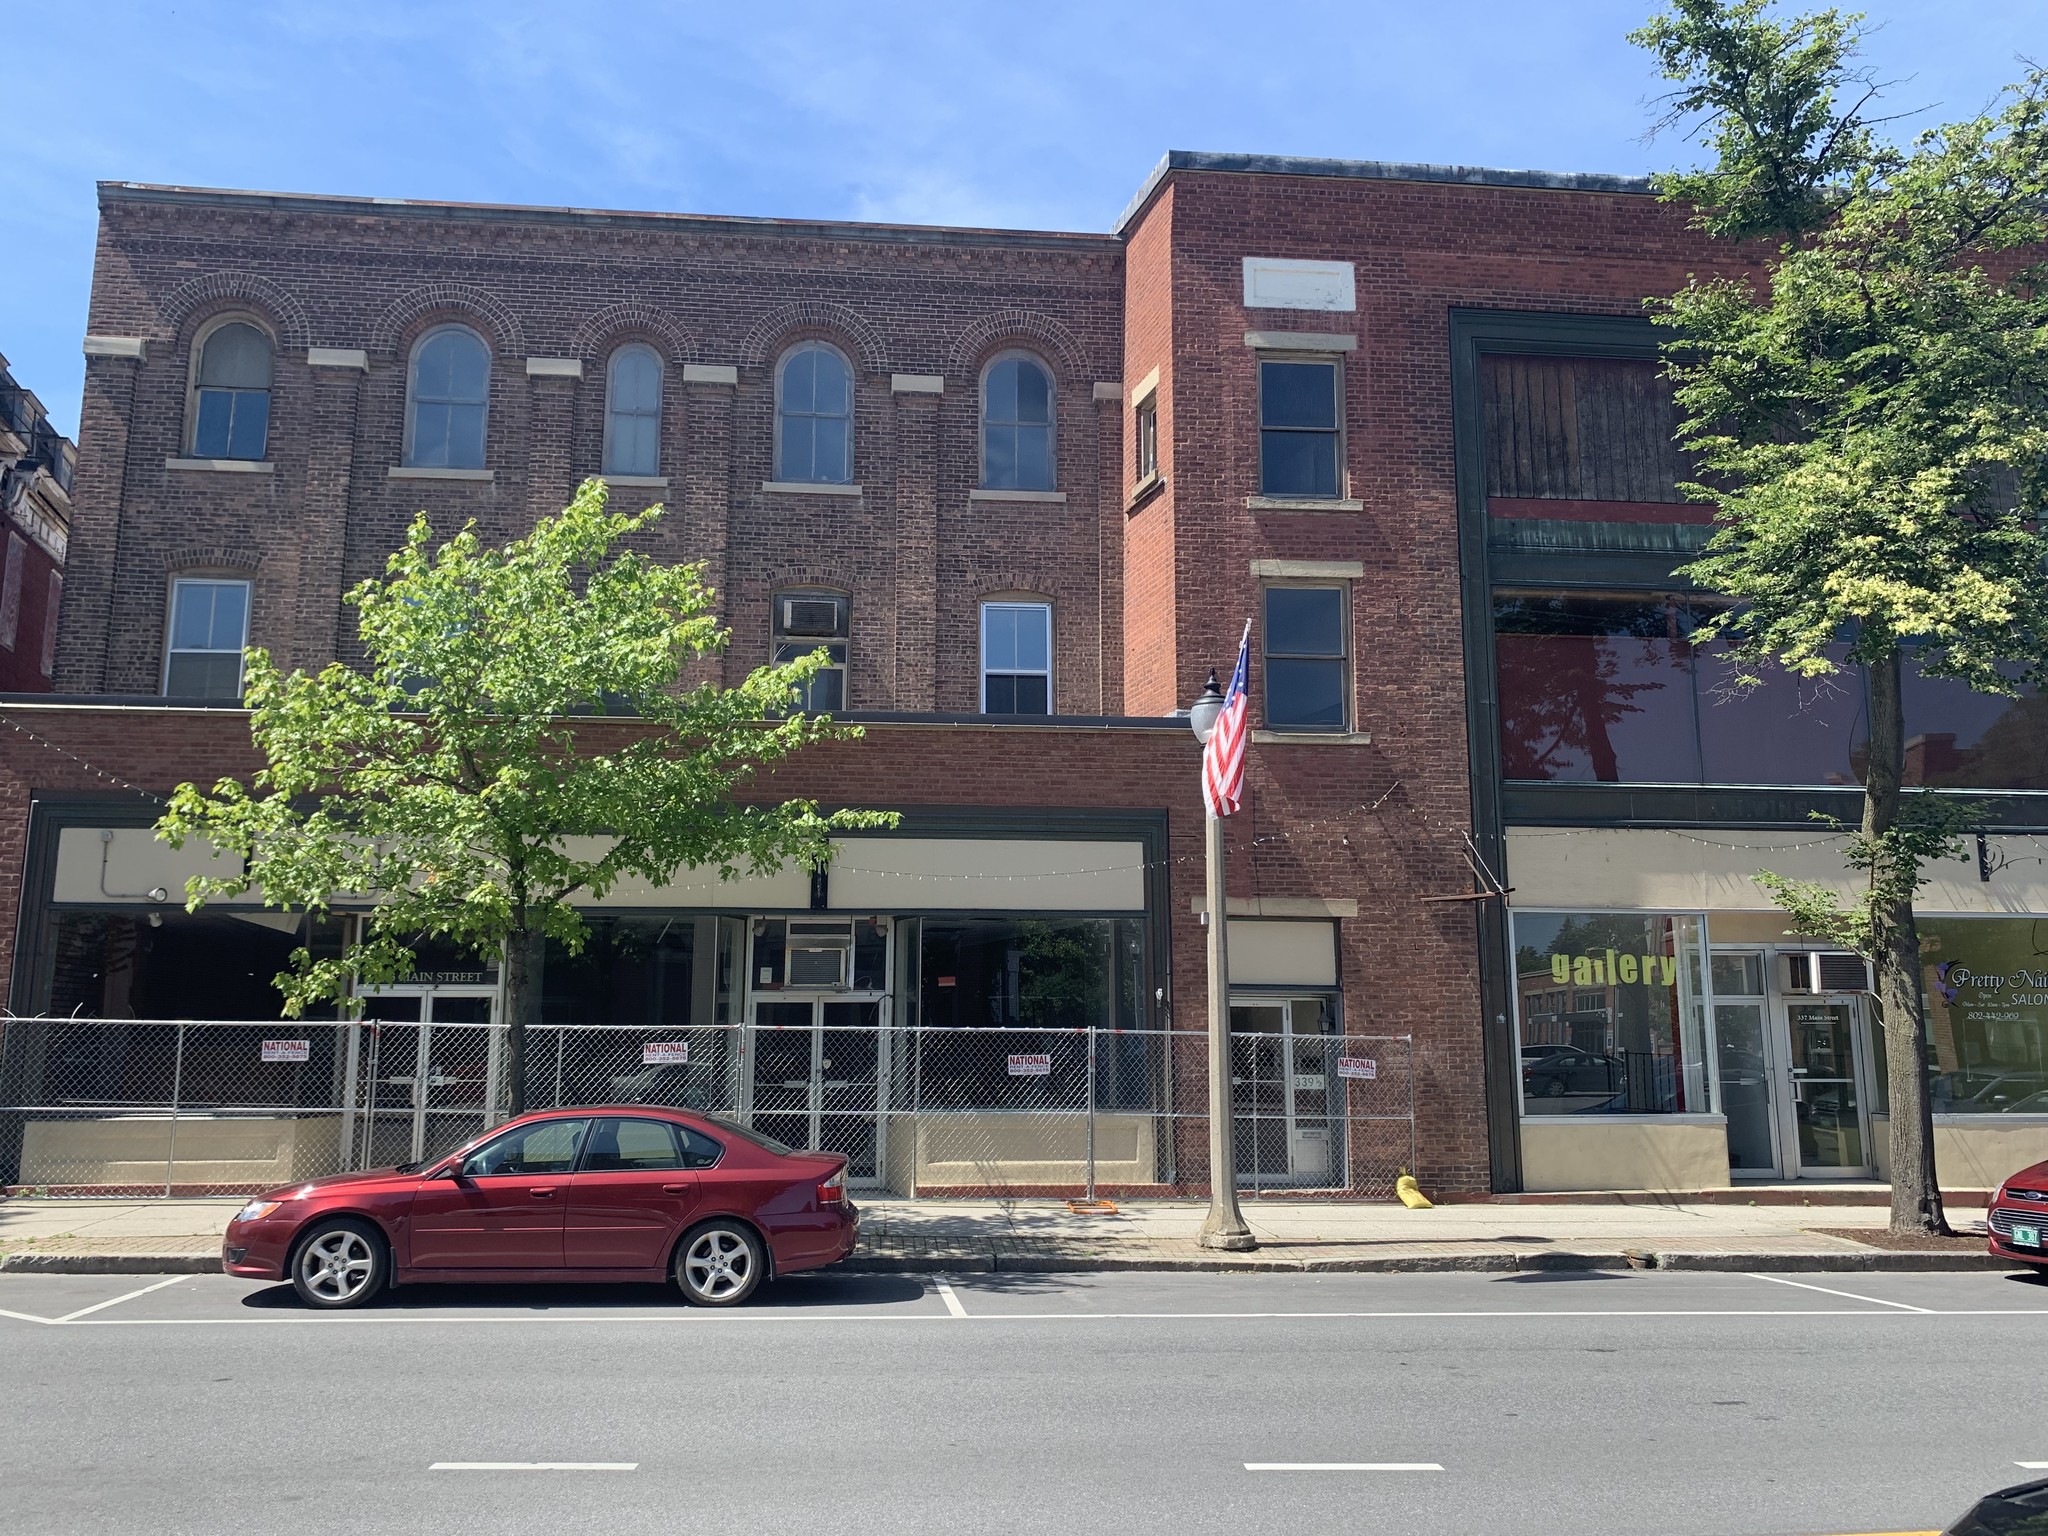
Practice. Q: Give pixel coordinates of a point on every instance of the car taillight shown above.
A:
(833, 1190)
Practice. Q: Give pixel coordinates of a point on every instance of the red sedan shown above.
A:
(618, 1192)
(2018, 1217)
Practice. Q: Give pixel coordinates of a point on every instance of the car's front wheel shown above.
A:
(340, 1263)
(719, 1264)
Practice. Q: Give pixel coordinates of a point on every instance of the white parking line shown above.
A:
(535, 1466)
(102, 1306)
(22, 1317)
(1876, 1301)
(952, 1301)
(2033, 1466)
(1343, 1466)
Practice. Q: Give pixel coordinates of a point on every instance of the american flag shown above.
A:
(1223, 756)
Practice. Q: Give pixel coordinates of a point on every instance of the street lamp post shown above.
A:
(1224, 1227)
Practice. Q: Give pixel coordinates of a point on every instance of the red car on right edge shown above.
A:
(2018, 1219)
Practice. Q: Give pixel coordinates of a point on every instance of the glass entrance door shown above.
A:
(1827, 1099)
(816, 1079)
(1283, 1057)
(430, 1069)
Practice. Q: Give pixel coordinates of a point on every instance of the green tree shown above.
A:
(457, 783)
(1869, 410)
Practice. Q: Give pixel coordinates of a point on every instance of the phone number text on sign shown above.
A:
(1035, 1065)
(665, 1053)
(1357, 1066)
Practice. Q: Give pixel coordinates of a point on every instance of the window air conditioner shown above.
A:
(810, 616)
(1815, 972)
(816, 955)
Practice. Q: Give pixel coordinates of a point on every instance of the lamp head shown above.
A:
(1207, 706)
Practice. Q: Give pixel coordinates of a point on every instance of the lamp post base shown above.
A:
(1227, 1237)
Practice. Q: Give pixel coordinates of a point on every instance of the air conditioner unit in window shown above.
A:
(817, 954)
(1816, 972)
(810, 616)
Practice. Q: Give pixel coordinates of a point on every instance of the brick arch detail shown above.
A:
(597, 337)
(1022, 328)
(455, 298)
(765, 342)
(278, 305)
(212, 557)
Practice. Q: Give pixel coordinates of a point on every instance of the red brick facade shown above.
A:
(1149, 591)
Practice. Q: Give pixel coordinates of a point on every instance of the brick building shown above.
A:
(36, 465)
(1027, 488)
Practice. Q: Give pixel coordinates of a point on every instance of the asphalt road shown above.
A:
(1588, 1403)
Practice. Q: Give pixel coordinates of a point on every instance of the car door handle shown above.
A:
(675, 1189)
(542, 1194)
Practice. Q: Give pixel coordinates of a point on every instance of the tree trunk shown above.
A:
(1895, 943)
(523, 953)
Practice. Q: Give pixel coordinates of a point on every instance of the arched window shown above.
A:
(814, 416)
(451, 381)
(1016, 425)
(231, 408)
(632, 411)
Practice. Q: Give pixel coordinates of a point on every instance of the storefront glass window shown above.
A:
(1611, 1013)
(1986, 983)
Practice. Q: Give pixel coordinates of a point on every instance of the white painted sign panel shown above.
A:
(1032, 1065)
(1357, 1066)
(665, 1053)
(287, 1050)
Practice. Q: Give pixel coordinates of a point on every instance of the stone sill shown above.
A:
(647, 482)
(1143, 490)
(979, 494)
(1280, 906)
(1303, 504)
(409, 472)
(810, 487)
(1313, 738)
(225, 466)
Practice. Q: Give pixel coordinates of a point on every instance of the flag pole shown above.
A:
(1224, 1228)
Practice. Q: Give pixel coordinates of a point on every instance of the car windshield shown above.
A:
(747, 1133)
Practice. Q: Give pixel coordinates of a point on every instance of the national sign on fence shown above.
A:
(1357, 1066)
(286, 1050)
(665, 1053)
(1036, 1064)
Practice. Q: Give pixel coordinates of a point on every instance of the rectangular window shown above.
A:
(1634, 1039)
(1299, 437)
(1016, 659)
(1147, 416)
(1986, 982)
(50, 610)
(209, 628)
(10, 590)
(1308, 676)
(810, 621)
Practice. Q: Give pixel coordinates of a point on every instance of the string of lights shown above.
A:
(97, 772)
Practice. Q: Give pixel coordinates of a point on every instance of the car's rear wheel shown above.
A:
(719, 1263)
(340, 1263)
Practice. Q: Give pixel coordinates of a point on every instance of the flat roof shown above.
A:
(699, 223)
(1374, 170)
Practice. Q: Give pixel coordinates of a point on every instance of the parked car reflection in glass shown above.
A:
(1553, 1071)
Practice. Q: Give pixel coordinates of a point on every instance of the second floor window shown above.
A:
(632, 412)
(231, 408)
(450, 385)
(1147, 422)
(1299, 440)
(808, 621)
(814, 416)
(1016, 659)
(209, 626)
(1016, 425)
(1308, 684)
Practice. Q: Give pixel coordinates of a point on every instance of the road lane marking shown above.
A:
(70, 1317)
(2033, 1466)
(1343, 1466)
(23, 1317)
(535, 1466)
(1877, 1301)
(952, 1301)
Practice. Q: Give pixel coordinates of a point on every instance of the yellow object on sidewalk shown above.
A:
(1411, 1194)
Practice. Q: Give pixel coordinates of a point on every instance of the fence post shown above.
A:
(177, 1089)
(1091, 1114)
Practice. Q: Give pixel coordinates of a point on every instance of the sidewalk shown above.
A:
(175, 1236)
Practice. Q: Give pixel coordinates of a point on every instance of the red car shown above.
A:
(2018, 1217)
(616, 1192)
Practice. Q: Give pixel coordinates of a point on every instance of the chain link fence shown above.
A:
(122, 1106)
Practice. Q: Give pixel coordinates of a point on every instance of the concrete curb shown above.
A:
(1875, 1261)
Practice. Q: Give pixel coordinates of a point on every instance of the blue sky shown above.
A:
(1043, 115)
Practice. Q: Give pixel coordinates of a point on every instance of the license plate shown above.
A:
(2027, 1237)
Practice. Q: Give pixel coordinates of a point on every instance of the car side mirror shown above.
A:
(450, 1170)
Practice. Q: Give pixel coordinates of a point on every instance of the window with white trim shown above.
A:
(814, 416)
(448, 392)
(1308, 671)
(810, 621)
(1300, 428)
(1016, 658)
(231, 393)
(209, 627)
(632, 411)
(1146, 418)
(1016, 425)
